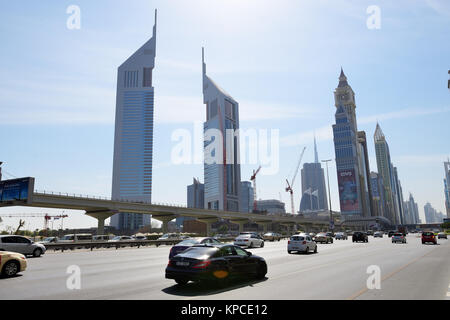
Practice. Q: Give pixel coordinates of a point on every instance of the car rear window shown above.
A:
(398, 234)
(199, 252)
(297, 238)
(428, 234)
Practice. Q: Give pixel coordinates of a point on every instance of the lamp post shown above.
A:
(329, 196)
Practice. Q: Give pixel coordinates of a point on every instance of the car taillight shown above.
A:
(304, 242)
(245, 239)
(202, 265)
(289, 241)
(170, 264)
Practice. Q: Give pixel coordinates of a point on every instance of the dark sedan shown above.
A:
(360, 236)
(185, 244)
(216, 263)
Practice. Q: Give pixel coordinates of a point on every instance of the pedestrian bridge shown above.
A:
(103, 208)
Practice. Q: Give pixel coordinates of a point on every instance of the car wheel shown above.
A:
(262, 244)
(251, 245)
(261, 272)
(306, 250)
(181, 282)
(11, 268)
(37, 253)
(315, 249)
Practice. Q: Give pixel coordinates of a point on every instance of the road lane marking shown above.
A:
(364, 290)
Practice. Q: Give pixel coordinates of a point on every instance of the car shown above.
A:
(170, 236)
(49, 240)
(185, 244)
(312, 234)
(12, 263)
(378, 234)
(341, 236)
(360, 236)
(249, 240)
(322, 237)
(398, 237)
(272, 236)
(139, 237)
(21, 245)
(301, 243)
(369, 232)
(428, 236)
(330, 234)
(121, 239)
(215, 263)
(390, 233)
(442, 235)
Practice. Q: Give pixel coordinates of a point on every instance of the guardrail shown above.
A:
(64, 246)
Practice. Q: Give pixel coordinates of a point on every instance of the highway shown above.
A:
(337, 271)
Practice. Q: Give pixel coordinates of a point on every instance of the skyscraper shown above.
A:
(246, 204)
(398, 191)
(195, 199)
(364, 175)
(447, 186)
(377, 192)
(348, 151)
(385, 168)
(133, 139)
(314, 195)
(222, 168)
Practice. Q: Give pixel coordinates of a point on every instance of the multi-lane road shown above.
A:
(337, 271)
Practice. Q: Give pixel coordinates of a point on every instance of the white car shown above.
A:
(249, 241)
(21, 245)
(301, 243)
(121, 239)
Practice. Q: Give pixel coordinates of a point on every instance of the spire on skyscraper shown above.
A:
(378, 135)
(316, 155)
(342, 79)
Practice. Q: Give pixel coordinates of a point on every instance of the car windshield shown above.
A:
(199, 252)
(321, 234)
(116, 238)
(244, 236)
(67, 238)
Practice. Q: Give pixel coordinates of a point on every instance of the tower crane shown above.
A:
(291, 185)
(253, 179)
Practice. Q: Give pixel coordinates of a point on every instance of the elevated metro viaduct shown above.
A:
(102, 209)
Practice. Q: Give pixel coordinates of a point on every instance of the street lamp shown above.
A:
(329, 196)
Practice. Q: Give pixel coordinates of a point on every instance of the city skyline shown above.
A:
(47, 170)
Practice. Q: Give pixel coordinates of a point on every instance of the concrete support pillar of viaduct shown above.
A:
(165, 219)
(209, 222)
(101, 216)
(241, 223)
(265, 225)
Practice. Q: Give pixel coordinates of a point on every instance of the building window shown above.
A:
(147, 78)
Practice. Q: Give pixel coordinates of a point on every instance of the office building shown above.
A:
(222, 171)
(385, 169)
(314, 194)
(377, 192)
(195, 199)
(348, 153)
(247, 197)
(447, 186)
(272, 206)
(364, 175)
(133, 139)
(431, 215)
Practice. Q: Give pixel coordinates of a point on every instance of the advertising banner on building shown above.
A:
(348, 193)
(16, 190)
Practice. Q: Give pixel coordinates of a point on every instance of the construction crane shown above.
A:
(291, 185)
(46, 217)
(253, 179)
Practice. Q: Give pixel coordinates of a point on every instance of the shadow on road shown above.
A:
(2, 277)
(198, 289)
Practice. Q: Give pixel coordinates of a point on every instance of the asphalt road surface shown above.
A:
(337, 271)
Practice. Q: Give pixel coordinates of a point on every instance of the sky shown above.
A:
(279, 59)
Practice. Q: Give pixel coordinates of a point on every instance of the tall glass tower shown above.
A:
(222, 168)
(133, 140)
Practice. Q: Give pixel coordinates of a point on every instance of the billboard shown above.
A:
(348, 193)
(16, 190)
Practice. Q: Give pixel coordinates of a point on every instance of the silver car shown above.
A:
(398, 237)
(21, 245)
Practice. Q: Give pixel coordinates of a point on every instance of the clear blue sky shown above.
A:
(279, 59)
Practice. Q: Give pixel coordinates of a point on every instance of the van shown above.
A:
(102, 237)
(80, 237)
